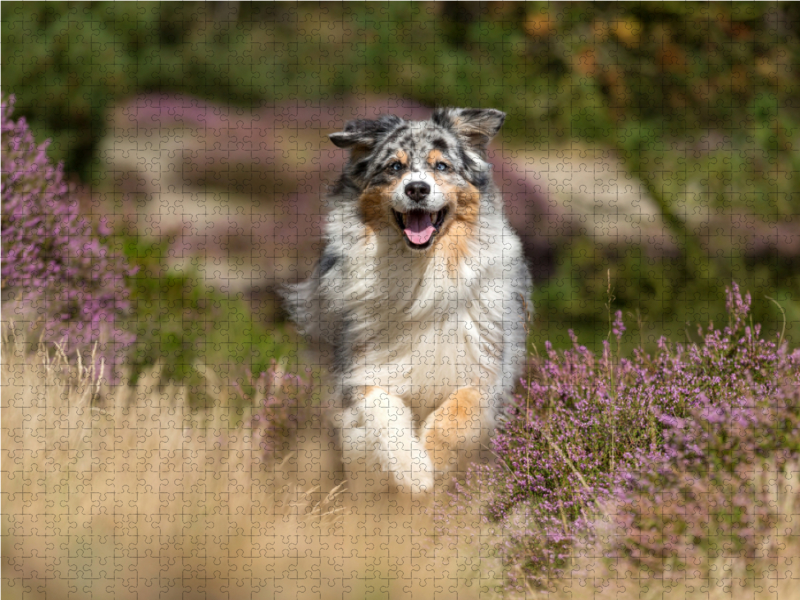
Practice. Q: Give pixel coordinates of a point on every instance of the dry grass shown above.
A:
(134, 495)
(129, 493)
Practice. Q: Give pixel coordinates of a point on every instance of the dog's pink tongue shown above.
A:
(419, 227)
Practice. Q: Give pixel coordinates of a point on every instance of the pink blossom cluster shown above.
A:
(56, 273)
(698, 490)
(283, 402)
(664, 439)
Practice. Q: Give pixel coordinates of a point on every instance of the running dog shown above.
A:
(419, 299)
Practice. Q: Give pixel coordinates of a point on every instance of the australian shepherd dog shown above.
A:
(419, 298)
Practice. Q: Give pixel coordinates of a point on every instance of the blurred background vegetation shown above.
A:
(699, 102)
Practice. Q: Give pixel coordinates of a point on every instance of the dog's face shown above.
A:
(422, 178)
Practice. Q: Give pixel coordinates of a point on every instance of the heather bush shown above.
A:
(663, 434)
(698, 491)
(282, 402)
(56, 273)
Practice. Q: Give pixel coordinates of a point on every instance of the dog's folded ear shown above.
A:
(476, 126)
(365, 133)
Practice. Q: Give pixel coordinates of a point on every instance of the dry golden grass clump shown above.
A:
(127, 492)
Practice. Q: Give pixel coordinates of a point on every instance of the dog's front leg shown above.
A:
(380, 449)
(454, 432)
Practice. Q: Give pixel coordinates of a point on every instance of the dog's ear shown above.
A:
(476, 126)
(363, 134)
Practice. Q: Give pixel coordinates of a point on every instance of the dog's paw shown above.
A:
(377, 462)
(415, 476)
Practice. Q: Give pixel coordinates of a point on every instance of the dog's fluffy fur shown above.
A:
(419, 299)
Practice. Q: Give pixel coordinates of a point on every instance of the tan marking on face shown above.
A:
(375, 203)
(435, 156)
(454, 246)
(459, 225)
(469, 202)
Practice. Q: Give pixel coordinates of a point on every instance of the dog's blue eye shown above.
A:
(440, 166)
(396, 166)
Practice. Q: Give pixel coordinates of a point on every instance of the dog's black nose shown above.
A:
(417, 190)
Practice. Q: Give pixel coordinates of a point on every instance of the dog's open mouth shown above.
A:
(420, 226)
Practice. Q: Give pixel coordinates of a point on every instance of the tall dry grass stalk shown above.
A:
(132, 494)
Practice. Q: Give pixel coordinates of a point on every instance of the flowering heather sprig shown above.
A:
(55, 272)
(283, 404)
(588, 427)
(696, 495)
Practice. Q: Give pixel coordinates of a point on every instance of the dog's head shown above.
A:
(423, 178)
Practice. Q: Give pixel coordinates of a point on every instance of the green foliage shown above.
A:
(661, 295)
(698, 100)
(189, 328)
(560, 71)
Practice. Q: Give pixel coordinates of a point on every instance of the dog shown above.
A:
(419, 300)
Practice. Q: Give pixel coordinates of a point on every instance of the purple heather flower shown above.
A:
(641, 434)
(282, 402)
(618, 327)
(55, 273)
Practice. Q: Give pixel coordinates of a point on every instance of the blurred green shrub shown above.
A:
(189, 329)
(561, 71)
(699, 100)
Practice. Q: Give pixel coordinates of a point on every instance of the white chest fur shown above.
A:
(423, 328)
